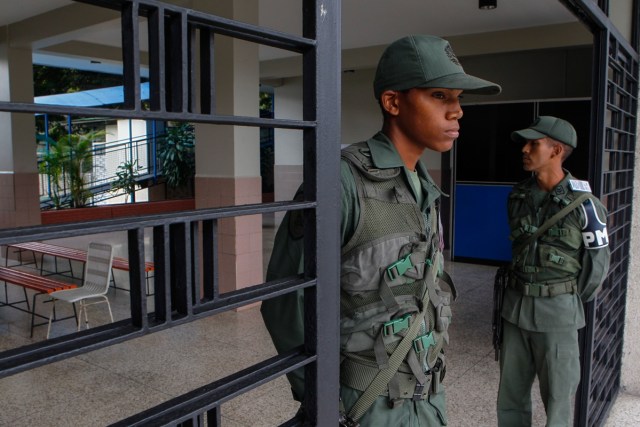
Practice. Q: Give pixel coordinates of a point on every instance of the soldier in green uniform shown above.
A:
(394, 313)
(560, 257)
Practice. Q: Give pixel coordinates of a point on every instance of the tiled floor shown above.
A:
(106, 385)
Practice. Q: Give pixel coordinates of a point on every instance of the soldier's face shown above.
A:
(537, 154)
(428, 117)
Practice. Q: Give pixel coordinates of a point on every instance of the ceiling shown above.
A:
(364, 22)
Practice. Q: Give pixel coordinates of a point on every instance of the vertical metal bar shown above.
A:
(157, 93)
(162, 273)
(181, 268)
(131, 55)
(192, 58)
(214, 418)
(209, 272)
(321, 102)
(184, 62)
(195, 264)
(207, 71)
(597, 132)
(174, 53)
(137, 280)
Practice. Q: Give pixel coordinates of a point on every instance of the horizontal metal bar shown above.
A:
(41, 232)
(31, 356)
(229, 27)
(216, 393)
(251, 294)
(23, 107)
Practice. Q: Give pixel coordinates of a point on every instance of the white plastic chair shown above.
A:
(97, 275)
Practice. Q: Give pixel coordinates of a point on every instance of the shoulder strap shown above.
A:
(551, 221)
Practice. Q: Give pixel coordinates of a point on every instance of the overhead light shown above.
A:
(488, 4)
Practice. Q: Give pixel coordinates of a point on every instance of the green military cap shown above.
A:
(553, 127)
(425, 61)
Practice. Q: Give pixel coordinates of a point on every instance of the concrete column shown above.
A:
(287, 173)
(228, 157)
(630, 376)
(19, 199)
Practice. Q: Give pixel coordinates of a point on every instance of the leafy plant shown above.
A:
(127, 175)
(67, 164)
(176, 154)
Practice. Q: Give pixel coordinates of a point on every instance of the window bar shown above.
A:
(191, 69)
(175, 69)
(207, 72)
(195, 264)
(137, 280)
(209, 259)
(131, 55)
(157, 94)
(162, 274)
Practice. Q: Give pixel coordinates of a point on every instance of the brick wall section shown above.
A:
(240, 238)
(19, 202)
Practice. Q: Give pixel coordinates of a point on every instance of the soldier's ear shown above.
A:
(389, 102)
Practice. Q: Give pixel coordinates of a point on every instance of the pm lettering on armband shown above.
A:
(594, 231)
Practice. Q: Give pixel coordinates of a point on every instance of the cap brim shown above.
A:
(526, 134)
(465, 82)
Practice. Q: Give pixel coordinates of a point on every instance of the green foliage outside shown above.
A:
(127, 175)
(176, 154)
(67, 164)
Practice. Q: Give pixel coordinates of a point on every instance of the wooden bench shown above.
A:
(41, 285)
(72, 254)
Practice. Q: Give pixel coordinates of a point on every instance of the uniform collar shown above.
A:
(383, 153)
(563, 188)
(385, 156)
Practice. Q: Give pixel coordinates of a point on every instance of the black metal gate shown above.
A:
(612, 153)
(179, 40)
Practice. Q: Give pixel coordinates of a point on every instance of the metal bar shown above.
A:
(191, 65)
(175, 75)
(207, 72)
(137, 278)
(216, 393)
(220, 25)
(195, 258)
(208, 254)
(19, 107)
(131, 55)
(157, 94)
(321, 95)
(162, 273)
(31, 356)
(39, 232)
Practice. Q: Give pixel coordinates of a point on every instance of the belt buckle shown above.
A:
(534, 289)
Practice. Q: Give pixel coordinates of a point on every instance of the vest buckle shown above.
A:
(399, 267)
(396, 325)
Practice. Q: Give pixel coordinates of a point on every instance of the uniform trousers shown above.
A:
(555, 358)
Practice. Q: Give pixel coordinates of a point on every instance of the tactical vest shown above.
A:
(552, 260)
(389, 263)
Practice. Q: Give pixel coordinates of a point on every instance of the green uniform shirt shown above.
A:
(561, 312)
(283, 316)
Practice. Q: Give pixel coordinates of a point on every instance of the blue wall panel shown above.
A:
(481, 229)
